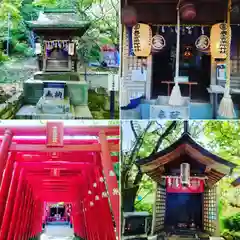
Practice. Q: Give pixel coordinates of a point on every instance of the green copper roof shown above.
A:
(58, 19)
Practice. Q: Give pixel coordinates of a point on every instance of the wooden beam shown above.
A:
(65, 148)
(68, 130)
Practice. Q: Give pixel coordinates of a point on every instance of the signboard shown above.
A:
(55, 133)
(168, 112)
(221, 72)
(53, 90)
(113, 82)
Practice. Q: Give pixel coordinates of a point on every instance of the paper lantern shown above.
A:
(38, 48)
(219, 40)
(142, 40)
(185, 174)
(129, 16)
(71, 49)
(187, 11)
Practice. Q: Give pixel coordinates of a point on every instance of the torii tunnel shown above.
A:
(54, 168)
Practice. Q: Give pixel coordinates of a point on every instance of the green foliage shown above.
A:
(102, 15)
(23, 49)
(232, 223)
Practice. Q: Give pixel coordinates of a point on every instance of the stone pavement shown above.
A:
(57, 233)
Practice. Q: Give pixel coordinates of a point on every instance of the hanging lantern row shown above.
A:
(144, 43)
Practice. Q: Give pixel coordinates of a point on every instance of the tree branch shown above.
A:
(163, 136)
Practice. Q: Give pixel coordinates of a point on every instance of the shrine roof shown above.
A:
(236, 182)
(163, 12)
(216, 167)
(59, 19)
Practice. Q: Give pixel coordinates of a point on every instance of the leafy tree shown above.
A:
(148, 139)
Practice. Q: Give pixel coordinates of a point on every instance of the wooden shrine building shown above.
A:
(197, 67)
(186, 177)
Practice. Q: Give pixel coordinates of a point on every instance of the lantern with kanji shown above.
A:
(142, 40)
(219, 40)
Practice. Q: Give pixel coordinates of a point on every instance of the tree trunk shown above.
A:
(128, 199)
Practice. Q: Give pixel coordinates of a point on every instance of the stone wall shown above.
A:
(11, 99)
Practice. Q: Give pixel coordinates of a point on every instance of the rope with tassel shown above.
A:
(176, 97)
(226, 108)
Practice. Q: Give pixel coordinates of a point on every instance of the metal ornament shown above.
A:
(202, 43)
(158, 42)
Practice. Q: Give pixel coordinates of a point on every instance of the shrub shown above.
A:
(232, 223)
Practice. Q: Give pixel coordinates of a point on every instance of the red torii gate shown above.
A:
(76, 171)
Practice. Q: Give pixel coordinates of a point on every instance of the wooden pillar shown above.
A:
(108, 228)
(20, 211)
(4, 188)
(9, 205)
(4, 148)
(29, 217)
(15, 215)
(111, 179)
(25, 221)
(32, 217)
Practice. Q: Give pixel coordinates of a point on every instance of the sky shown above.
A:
(128, 137)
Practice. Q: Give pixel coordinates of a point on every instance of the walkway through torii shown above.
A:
(54, 169)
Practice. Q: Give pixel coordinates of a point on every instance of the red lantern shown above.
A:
(188, 11)
(129, 16)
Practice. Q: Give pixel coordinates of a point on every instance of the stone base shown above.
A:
(31, 112)
(53, 106)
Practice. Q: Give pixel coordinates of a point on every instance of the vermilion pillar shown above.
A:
(111, 179)
(4, 188)
(10, 201)
(20, 211)
(103, 206)
(25, 219)
(16, 208)
(4, 148)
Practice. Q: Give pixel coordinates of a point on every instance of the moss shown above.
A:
(99, 105)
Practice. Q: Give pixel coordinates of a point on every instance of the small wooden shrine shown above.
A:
(56, 91)
(186, 192)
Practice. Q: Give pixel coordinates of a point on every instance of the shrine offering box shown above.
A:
(162, 110)
(53, 90)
